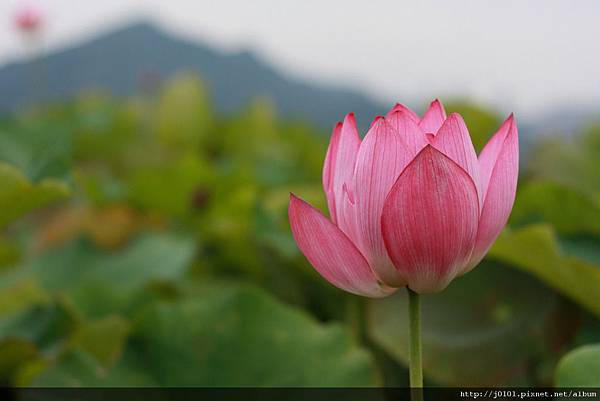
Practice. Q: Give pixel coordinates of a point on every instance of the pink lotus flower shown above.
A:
(28, 19)
(410, 204)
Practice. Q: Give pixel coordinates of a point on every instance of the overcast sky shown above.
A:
(526, 56)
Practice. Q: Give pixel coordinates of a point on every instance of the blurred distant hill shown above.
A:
(126, 60)
(137, 57)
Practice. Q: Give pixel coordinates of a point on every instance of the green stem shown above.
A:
(415, 366)
(356, 317)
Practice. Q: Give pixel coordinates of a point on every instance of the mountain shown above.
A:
(118, 60)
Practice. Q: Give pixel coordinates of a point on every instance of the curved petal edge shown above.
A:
(433, 118)
(331, 252)
(499, 161)
(381, 158)
(429, 221)
(339, 163)
(453, 140)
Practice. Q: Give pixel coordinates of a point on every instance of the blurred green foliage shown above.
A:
(146, 242)
(580, 367)
(493, 313)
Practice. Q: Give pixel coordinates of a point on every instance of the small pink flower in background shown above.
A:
(28, 19)
(410, 205)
